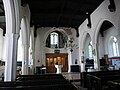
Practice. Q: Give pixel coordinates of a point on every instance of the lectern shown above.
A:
(58, 67)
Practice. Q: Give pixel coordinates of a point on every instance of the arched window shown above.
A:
(115, 47)
(54, 38)
(90, 50)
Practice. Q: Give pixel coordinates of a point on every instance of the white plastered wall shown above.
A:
(1, 44)
(112, 32)
(101, 14)
(41, 50)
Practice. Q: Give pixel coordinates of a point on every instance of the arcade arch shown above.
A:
(104, 42)
(59, 57)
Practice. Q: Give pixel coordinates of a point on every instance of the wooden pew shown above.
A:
(84, 74)
(39, 77)
(42, 87)
(33, 83)
(100, 82)
(114, 84)
(39, 82)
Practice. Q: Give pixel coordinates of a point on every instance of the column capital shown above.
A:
(17, 35)
(12, 34)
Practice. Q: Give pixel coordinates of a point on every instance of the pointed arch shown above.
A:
(101, 25)
(87, 46)
(52, 30)
(12, 34)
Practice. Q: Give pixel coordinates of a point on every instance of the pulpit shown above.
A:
(58, 67)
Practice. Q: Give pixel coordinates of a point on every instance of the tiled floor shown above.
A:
(74, 77)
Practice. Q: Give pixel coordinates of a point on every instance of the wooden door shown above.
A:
(52, 59)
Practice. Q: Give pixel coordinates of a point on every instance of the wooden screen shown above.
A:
(53, 58)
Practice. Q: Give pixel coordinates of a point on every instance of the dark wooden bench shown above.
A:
(33, 83)
(42, 87)
(114, 84)
(96, 73)
(39, 82)
(39, 77)
(100, 82)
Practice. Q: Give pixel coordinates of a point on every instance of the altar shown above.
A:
(58, 67)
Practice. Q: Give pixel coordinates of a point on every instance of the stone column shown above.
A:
(70, 61)
(11, 57)
(1, 44)
(25, 59)
(118, 40)
(12, 33)
(82, 62)
(96, 58)
(33, 50)
(25, 45)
